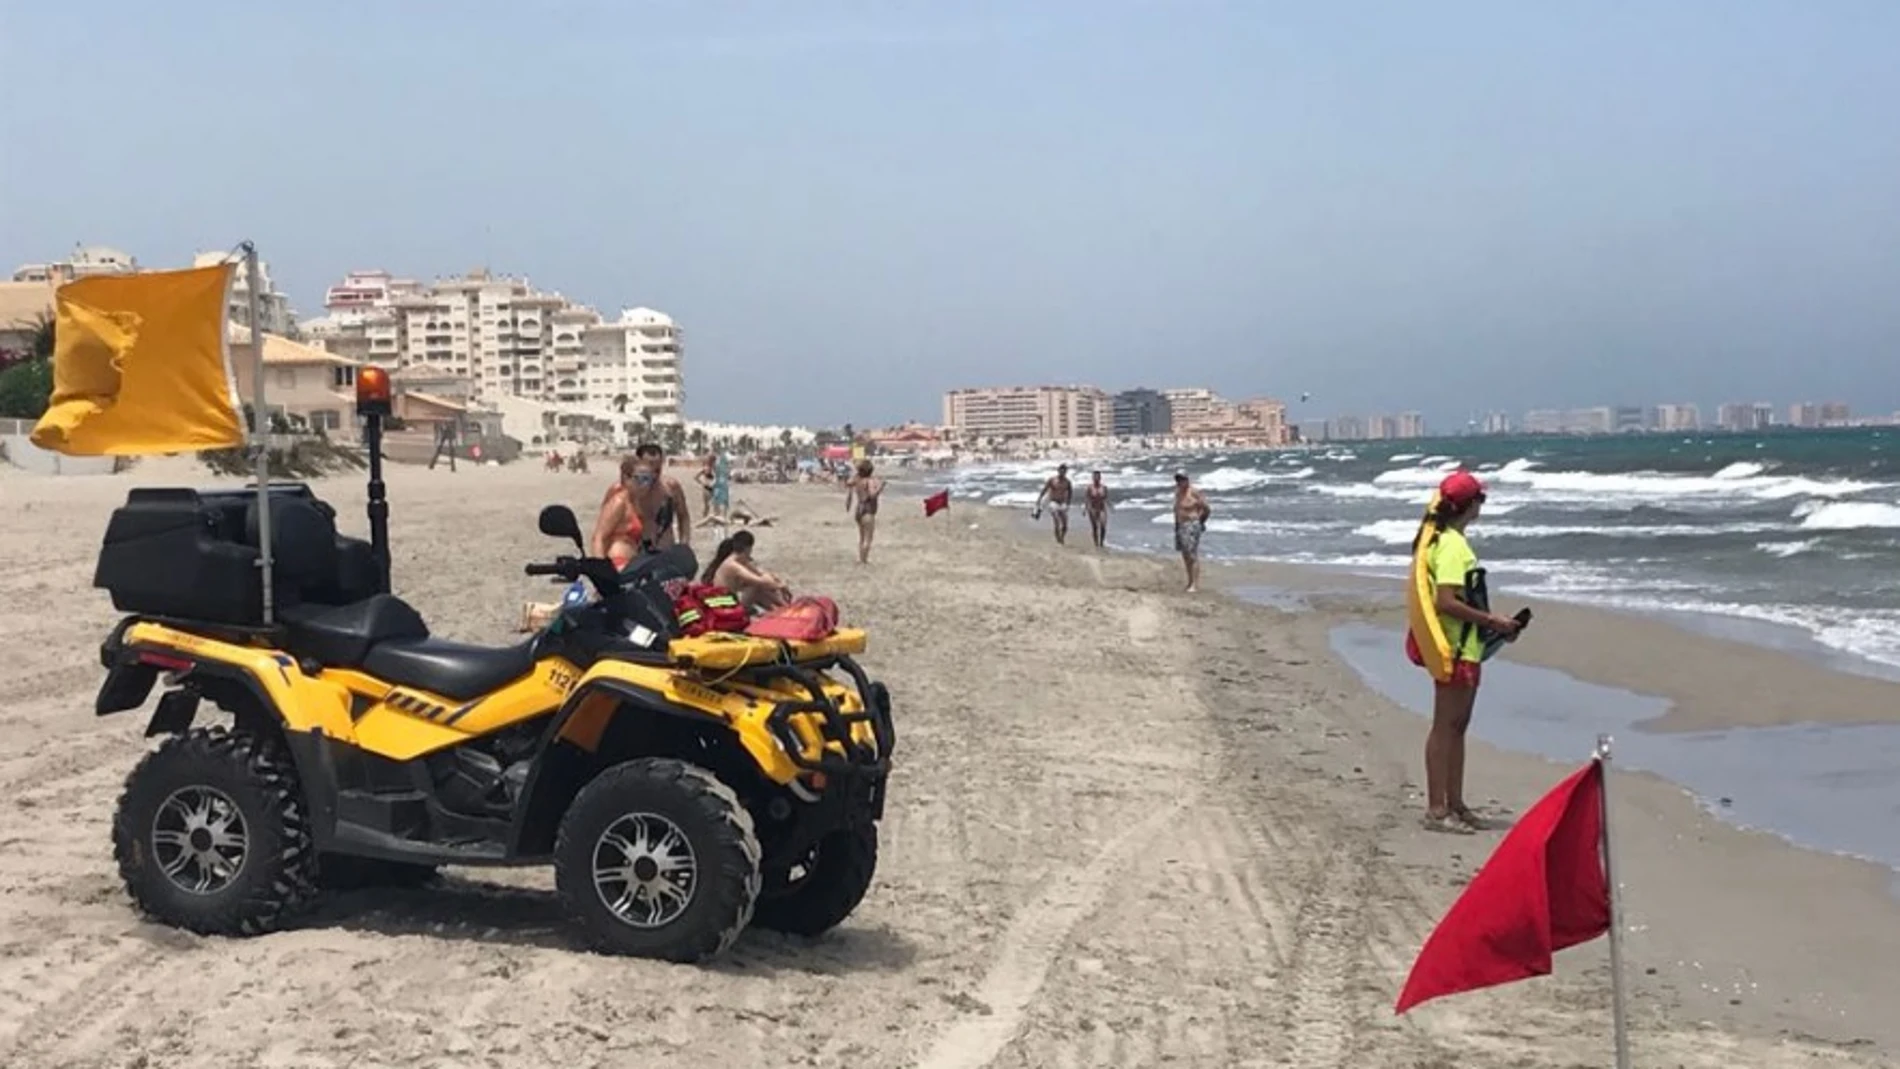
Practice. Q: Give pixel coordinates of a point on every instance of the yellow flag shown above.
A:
(140, 366)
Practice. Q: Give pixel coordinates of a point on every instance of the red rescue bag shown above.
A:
(806, 619)
(703, 607)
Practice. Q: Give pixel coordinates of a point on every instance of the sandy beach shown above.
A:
(1127, 827)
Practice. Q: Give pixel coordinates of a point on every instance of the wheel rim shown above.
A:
(199, 840)
(645, 871)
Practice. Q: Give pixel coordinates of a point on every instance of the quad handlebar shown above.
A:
(598, 570)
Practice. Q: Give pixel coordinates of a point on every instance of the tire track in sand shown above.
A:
(1030, 944)
(1322, 1021)
(81, 1002)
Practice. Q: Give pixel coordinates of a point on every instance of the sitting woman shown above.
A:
(732, 567)
(618, 531)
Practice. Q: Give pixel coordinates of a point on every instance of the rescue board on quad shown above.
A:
(682, 788)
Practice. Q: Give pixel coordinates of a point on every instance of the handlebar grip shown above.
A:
(545, 569)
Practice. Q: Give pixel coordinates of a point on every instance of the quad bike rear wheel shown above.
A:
(211, 836)
(818, 892)
(657, 858)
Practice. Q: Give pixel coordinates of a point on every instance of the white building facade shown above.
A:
(510, 340)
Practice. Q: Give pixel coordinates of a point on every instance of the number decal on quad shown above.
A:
(561, 679)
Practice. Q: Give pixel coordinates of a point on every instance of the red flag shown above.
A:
(936, 502)
(1543, 889)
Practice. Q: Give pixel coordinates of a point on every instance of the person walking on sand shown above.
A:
(1456, 584)
(1096, 500)
(1190, 522)
(860, 499)
(1058, 491)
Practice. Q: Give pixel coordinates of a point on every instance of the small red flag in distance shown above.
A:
(936, 503)
(1542, 890)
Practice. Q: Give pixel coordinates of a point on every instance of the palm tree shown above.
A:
(785, 438)
(698, 439)
(620, 402)
(41, 345)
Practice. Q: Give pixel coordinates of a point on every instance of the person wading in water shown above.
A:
(1058, 491)
(1096, 499)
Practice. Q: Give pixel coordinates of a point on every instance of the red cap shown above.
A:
(1460, 488)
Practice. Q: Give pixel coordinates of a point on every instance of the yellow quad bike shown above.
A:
(682, 788)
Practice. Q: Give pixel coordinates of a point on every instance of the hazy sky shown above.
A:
(852, 207)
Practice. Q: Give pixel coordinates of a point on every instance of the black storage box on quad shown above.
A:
(192, 555)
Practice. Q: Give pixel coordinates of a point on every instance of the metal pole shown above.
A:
(1618, 1013)
(260, 426)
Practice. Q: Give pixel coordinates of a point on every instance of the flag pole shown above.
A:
(260, 427)
(1618, 1014)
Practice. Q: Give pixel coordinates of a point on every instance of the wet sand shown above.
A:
(1128, 827)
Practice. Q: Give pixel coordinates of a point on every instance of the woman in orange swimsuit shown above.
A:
(617, 531)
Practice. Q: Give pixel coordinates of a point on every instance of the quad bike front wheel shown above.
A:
(816, 893)
(210, 834)
(657, 858)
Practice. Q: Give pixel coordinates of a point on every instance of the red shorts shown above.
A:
(1464, 675)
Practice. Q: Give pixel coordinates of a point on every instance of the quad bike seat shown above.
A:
(451, 669)
(384, 636)
(341, 636)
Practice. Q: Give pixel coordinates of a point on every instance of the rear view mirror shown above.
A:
(557, 521)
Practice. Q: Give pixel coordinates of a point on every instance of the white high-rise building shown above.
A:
(508, 339)
(273, 307)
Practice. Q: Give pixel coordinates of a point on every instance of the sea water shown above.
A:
(1771, 537)
(1833, 787)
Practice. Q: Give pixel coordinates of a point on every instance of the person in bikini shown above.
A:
(618, 530)
(860, 499)
(1058, 491)
(732, 567)
(1095, 498)
(1190, 522)
(657, 497)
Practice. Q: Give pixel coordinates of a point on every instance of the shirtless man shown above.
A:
(1190, 521)
(1095, 498)
(1058, 490)
(658, 497)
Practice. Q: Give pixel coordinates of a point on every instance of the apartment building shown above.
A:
(1142, 413)
(85, 260)
(1741, 416)
(1029, 412)
(1675, 417)
(273, 306)
(1809, 414)
(1194, 407)
(630, 364)
(507, 339)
